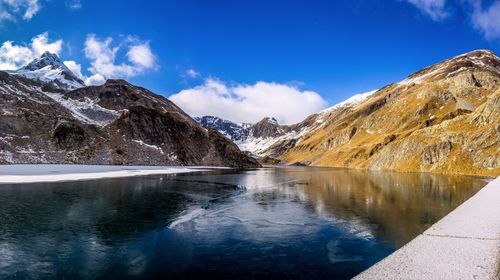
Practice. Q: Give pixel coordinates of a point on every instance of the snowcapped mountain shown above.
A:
(51, 70)
(114, 123)
(253, 138)
(235, 132)
(267, 137)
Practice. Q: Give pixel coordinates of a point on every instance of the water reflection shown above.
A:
(398, 206)
(267, 223)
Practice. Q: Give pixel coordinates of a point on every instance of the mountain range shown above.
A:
(48, 115)
(259, 137)
(443, 118)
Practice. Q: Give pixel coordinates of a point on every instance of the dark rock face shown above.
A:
(265, 128)
(282, 147)
(116, 123)
(268, 127)
(233, 131)
(264, 140)
(69, 135)
(436, 153)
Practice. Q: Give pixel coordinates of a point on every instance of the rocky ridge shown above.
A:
(115, 123)
(444, 118)
(252, 138)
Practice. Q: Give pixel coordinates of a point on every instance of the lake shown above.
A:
(269, 223)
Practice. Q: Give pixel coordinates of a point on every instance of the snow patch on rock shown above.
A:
(351, 101)
(86, 111)
(154, 147)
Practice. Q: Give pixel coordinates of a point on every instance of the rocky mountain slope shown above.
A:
(443, 118)
(253, 138)
(115, 123)
(236, 132)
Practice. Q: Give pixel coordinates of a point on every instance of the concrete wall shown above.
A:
(465, 244)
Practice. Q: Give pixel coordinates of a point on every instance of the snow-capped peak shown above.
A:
(353, 100)
(50, 69)
(478, 59)
(235, 132)
(47, 59)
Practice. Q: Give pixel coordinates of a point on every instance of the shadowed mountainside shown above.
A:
(115, 123)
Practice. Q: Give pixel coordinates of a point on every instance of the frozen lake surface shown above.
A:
(294, 223)
(34, 173)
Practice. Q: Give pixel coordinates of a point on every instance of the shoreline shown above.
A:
(465, 244)
(49, 173)
(487, 178)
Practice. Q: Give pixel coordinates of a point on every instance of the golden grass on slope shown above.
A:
(417, 116)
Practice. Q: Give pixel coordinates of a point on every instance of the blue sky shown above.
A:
(332, 48)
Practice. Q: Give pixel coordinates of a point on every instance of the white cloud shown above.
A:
(435, 9)
(102, 55)
(40, 44)
(141, 55)
(96, 79)
(4, 15)
(32, 8)
(75, 68)
(249, 103)
(487, 20)
(24, 8)
(14, 56)
(191, 73)
(74, 4)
